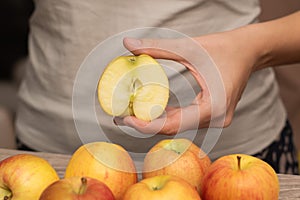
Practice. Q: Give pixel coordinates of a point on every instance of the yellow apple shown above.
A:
(25, 176)
(134, 85)
(77, 188)
(239, 176)
(107, 162)
(179, 157)
(164, 187)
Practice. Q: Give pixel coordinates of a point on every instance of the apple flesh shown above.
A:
(178, 157)
(25, 176)
(77, 188)
(107, 162)
(240, 176)
(163, 187)
(134, 85)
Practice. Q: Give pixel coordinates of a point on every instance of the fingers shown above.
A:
(160, 49)
(170, 49)
(159, 125)
(163, 125)
(152, 127)
(175, 121)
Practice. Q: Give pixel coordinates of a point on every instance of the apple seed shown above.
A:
(136, 84)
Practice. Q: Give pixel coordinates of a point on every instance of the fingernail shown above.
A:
(133, 42)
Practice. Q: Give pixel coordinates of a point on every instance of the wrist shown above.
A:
(254, 41)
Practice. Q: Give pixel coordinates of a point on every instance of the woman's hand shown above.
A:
(236, 55)
(233, 66)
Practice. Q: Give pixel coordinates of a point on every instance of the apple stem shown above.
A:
(239, 162)
(82, 188)
(132, 59)
(155, 188)
(6, 198)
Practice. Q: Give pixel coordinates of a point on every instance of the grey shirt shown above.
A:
(63, 32)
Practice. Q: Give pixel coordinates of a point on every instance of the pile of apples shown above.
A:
(173, 169)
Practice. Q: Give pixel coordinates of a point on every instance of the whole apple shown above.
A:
(164, 187)
(134, 85)
(107, 162)
(179, 157)
(77, 188)
(239, 176)
(25, 176)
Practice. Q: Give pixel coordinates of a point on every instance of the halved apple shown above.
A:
(134, 85)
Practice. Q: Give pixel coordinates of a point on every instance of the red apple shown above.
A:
(77, 188)
(25, 176)
(179, 157)
(164, 187)
(240, 176)
(107, 162)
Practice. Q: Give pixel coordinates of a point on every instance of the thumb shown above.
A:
(156, 48)
(180, 50)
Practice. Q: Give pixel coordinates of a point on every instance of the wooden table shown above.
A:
(289, 184)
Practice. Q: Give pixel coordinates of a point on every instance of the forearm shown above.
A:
(272, 43)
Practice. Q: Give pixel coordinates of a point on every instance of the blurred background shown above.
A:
(14, 15)
(288, 77)
(14, 19)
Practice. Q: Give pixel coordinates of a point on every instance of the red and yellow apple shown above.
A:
(179, 157)
(239, 176)
(107, 162)
(25, 176)
(77, 188)
(164, 187)
(134, 85)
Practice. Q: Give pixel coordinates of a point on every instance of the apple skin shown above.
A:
(134, 85)
(77, 188)
(164, 187)
(230, 179)
(25, 176)
(178, 157)
(107, 162)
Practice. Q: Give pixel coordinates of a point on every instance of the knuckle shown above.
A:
(228, 120)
